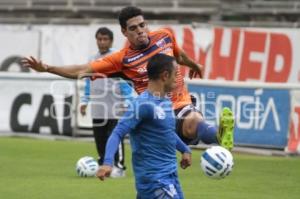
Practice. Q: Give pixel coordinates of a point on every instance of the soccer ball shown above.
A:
(217, 162)
(86, 166)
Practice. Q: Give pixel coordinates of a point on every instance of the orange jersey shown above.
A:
(132, 63)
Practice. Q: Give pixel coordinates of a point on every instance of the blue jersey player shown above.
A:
(150, 122)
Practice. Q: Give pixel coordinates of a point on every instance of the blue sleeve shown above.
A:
(181, 146)
(133, 116)
(86, 95)
(113, 143)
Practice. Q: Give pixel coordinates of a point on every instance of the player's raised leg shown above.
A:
(195, 128)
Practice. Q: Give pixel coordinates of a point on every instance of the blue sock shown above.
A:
(207, 133)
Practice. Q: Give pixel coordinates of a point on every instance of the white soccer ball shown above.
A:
(217, 162)
(86, 166)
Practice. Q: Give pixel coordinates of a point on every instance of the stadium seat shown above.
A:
(61, 3)
(155, 3)
(86, 3)
(14, 3)
(198, 3)
(118, 3)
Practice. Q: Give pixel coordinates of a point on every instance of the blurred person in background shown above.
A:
(103, 94)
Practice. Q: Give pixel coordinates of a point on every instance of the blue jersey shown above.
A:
(150, 122)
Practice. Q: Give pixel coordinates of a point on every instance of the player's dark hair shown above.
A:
(158, 64)
(105, 31)
(128, 13)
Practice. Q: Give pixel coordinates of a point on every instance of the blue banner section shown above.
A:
(262, 115)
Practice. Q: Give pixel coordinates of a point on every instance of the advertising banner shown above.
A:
(247, 54)
(238, 54)
(37, 105)
(262, 115)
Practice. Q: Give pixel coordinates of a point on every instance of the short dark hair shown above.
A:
(128, 13)
(158, 64)
(105, 31)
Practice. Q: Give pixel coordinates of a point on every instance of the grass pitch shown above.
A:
(44, 169)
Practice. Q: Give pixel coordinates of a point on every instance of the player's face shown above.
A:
(104, 43)
(136, 32)
(170, 83)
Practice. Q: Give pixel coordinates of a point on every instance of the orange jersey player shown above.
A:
(132, 63)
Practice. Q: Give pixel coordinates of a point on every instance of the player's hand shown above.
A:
(104, 172)
(186, 160)
(196, 73)
(36, 65)
(83, 109)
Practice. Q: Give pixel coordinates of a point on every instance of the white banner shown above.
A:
(36, 103)
(239, 54)
(252, 54)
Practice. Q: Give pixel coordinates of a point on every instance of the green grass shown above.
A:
(42, 169)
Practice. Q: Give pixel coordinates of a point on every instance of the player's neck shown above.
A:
(156, 88)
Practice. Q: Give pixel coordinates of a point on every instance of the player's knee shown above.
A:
(190, 124)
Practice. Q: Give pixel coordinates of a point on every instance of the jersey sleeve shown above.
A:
(176, 48)
(109, 64)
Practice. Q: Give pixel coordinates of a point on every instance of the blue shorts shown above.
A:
(165, 188)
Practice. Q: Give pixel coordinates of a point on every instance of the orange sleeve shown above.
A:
(176, 48)
(109, 64)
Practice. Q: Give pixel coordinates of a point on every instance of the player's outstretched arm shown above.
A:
(73, 71)
(196, 69)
